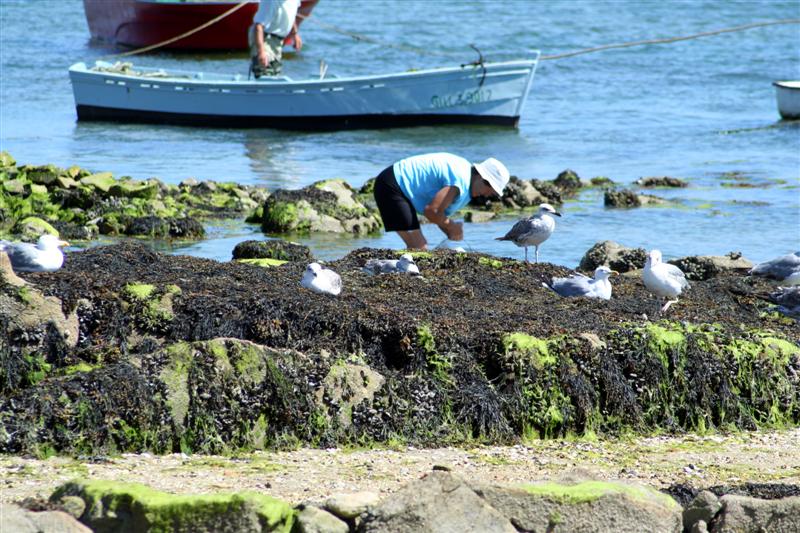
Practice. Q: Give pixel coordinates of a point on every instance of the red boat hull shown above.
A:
(138, 23)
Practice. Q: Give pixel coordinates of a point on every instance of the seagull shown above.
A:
(321, 280)
(785, 269)
(534, 230)
(44, 256)
(580, 285)
(404, 265)
(662, 279)
(788, 300)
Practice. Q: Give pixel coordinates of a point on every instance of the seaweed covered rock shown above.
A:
(116, 506)
(701, 267)
(81, 203)
(629, 198)
(613, 255)
(272, 249)
(326, 206)
(585, 506)
(182, 353)
(19, 520)
(661, 181)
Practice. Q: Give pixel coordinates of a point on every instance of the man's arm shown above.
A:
(435, 212)
(262, 50)
(298, 42)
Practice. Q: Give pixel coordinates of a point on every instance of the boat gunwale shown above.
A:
(83, 68)
(784, 84)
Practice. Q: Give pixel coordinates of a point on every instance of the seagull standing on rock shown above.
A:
(44, 256)
(404, 265)
(580, 285)
(321, 280)
(662, 279)
(534, 230)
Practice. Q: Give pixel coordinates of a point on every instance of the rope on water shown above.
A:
(671, 39)
(181, 36)
(365, 38)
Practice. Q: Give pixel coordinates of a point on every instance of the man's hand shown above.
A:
(263, 59)
(455, 231)
(298, 42)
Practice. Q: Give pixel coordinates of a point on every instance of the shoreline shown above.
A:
(307, 474)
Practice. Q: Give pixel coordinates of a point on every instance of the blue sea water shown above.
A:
(702, 110)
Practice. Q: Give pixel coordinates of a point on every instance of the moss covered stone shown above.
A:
(589, 491)
(116, 506)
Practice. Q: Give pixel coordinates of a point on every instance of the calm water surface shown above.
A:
(699, 110)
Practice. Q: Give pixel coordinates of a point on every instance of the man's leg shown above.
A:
(414, 239)
(274, 47)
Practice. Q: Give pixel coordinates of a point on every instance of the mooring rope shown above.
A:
(365, 38)
(671, 39)
(181, 36)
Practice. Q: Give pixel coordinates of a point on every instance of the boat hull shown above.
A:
(138, 23)
(787, 94)
(471, 94)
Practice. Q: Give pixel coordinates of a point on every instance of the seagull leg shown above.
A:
(526, 254)
(666, 306)
(537, 253)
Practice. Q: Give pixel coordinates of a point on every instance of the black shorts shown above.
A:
(397, 211)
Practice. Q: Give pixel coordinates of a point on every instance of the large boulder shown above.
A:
(613, 255)
(700, 267)
(743, 513)
(440, 502)
(585, 506)
(272, 249)
(327, 206)
(114, 506)
(18, 520)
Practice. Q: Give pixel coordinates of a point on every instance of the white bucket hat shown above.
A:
(495, 173)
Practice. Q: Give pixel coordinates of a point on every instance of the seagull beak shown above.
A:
(63, 243)
(556, 213)
(614, 273)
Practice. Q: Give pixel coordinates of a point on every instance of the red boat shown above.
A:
(139, 23)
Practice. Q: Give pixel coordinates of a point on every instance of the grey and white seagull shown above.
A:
(580, 285)
(534, 230)
(44, 256)
(785, 269)
(321, 280)
(662, 279)
(404, 265)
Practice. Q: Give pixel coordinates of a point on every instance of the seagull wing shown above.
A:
(522, 227)
(24, 257)
(577, 285)
(335, 282)
(675, 275)
(779, 268)
(381, 266)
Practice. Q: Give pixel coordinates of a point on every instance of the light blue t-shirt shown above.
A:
(420, 177)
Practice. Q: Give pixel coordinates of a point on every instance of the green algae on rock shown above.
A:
(80, 203)
(114, 506)
(470, 351)
(325, 206)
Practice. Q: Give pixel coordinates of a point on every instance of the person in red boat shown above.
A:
(274, 22)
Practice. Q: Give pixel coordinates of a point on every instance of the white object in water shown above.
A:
(580, 285)
(534, 230)
(44, 256)
(487, 93)
(662, 279)
(787, 94)
(321, 280)
(404, 265)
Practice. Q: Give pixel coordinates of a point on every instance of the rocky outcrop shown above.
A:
(111, 506)
(743, 513)
(272, 249)
(629, 198)
(17, 519)
(661, 181)
(327, 206)
(80, 204)
(613, 255)
(177, 353)
(700, 267)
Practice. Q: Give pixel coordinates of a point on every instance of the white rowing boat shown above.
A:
(788, 96)
(483, 93)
